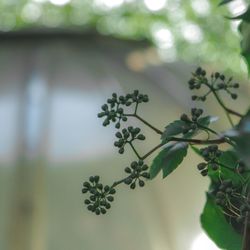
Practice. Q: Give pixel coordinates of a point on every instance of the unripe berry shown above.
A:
(141, 183)
(234, 96)
(141, 137)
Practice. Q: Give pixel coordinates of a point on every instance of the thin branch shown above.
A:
(226, 109)
(197, 141)
(152, 151)
(132, 146)
(146, 123)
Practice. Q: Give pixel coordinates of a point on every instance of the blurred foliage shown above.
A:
(191, 30)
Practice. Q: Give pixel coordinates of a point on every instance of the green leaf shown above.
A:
(228, 158)
(172, 129)
(206, 120)
(168, 159)
(174, 158)
(218, 229)
(176, 128)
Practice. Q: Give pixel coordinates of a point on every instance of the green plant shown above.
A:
(225, 217)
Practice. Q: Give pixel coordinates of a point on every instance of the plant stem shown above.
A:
(152, 150)
(146, 123)
(132, 146)
(226, 109)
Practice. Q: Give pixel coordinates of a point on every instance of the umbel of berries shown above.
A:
(127, 136)
(113, 110)
(100, 196)
(137, 172)
(210, 155)
(191, 123)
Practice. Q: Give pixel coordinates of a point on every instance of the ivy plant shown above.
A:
(226, 213)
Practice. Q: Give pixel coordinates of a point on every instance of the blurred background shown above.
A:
(59, 62)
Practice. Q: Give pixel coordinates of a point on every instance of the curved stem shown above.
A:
(226, 109)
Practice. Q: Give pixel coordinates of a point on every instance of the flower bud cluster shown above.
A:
(210, 155)
(137, 172)
(100, 196)
(127, 136)
(191, 123)
(113, 110)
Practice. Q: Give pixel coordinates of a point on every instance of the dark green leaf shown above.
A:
(206, 120)
(176, 128)
(218, 229)
(229, 159)
(168, 159)
(157, 162)
(174, 158)
(172, 129)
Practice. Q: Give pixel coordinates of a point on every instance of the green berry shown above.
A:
(128, 181)
(86, 184)
(112, 191)
(204, 172)
(141, 137)
(134, 164)
(201, 166)
(87, 202)
(141, 183)
(110, 198)
(128, 170)
(121, 151)
(133, 185)
(234, 96)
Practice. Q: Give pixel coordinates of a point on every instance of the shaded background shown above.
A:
(59, 62)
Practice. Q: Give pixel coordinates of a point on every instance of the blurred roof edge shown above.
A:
(64, 33)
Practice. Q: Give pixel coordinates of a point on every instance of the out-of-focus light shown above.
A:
(31, 12)
(168, 55)
(59, 2)
(201, 7)
(192, 32)
(39, 1)
(155, 5)
(204, 243)
(235, 25)
(163, 37)
(109, 4)
(237, 7)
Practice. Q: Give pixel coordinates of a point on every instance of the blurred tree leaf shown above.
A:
(168, 159)
(218, 229)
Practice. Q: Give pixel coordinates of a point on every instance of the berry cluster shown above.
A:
(199, 78)
(127, 136)
(210, 155)
(224, 192)
(216, 83)
(191, 123)
(100, 196)
(224, 84)
(113, 110)
(137, 171)
(226, 197)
